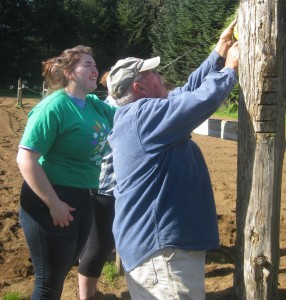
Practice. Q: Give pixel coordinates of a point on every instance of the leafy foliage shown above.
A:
(135, 20)
(99, 29)
(181, 32)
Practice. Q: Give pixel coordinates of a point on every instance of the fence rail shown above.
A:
(218, 128)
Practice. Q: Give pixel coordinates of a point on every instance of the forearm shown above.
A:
(222, 48)
(36, 178)
(205, 100)
(214, 62)
(39, 183)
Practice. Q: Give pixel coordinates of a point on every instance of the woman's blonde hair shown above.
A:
(54, 68)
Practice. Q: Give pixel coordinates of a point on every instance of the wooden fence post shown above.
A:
(44, 90)
(118, 264)
(261, 147)
(19, 92)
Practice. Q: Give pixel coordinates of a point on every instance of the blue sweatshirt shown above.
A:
(164, 195)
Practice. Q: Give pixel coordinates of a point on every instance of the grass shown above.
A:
(110, 273)
(228, 111)
(14, 296)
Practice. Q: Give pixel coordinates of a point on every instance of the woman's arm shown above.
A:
(36, 178)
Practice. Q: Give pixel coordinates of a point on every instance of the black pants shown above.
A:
(100, 241)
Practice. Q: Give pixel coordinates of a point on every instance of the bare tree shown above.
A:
(261, 147)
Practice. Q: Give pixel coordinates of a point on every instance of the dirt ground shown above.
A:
(16, 271)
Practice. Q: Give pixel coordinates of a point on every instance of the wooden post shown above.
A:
(261, 147)
(19, 92)
(118, 264)
(45, 90)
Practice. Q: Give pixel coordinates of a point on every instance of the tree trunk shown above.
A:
(261, 147)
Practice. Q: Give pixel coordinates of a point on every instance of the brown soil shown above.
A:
(16, 271)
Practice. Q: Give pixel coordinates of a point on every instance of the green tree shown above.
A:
(183, 33)
(136, 18)
(99, 29)
(32, 31)
(55, 24)
(16, 44)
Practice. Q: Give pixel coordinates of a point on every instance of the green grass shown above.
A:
(110, 273)
(227, 111)
(14, 296)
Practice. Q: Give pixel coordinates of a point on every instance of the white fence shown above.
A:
(219, 128)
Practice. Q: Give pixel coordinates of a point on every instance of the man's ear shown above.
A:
(138, 88)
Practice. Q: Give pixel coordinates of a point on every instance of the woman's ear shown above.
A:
(68, 74)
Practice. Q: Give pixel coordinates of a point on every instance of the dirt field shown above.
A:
(16, 271)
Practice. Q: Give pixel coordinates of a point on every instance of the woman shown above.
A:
(59, 157)
(100, 242)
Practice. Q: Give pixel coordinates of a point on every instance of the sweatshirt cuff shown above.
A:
(231, 72)
(217, 59)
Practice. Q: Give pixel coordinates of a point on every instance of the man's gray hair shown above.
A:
(128, 96)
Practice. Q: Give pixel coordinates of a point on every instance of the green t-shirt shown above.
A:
(71, 139)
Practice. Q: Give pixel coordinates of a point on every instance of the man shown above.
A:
(165, 216)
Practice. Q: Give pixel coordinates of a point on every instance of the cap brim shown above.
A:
(150, 64)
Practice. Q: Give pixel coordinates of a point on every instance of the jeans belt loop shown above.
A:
(92, 192)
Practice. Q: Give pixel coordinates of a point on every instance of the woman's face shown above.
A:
(84, 75)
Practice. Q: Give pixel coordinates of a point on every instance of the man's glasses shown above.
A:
(153, 71)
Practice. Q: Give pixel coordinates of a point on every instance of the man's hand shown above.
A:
(232, 57)
(227, 35)
(226, 40)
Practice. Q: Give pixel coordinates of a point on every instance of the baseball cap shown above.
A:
(124, 72)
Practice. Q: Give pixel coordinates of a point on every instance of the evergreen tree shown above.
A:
(183, 33)
(16, 42)
(32, 31)
(136, 18)
(99, 29)
(55, 24)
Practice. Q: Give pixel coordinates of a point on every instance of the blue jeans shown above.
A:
(169, 274)
(53, 249)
